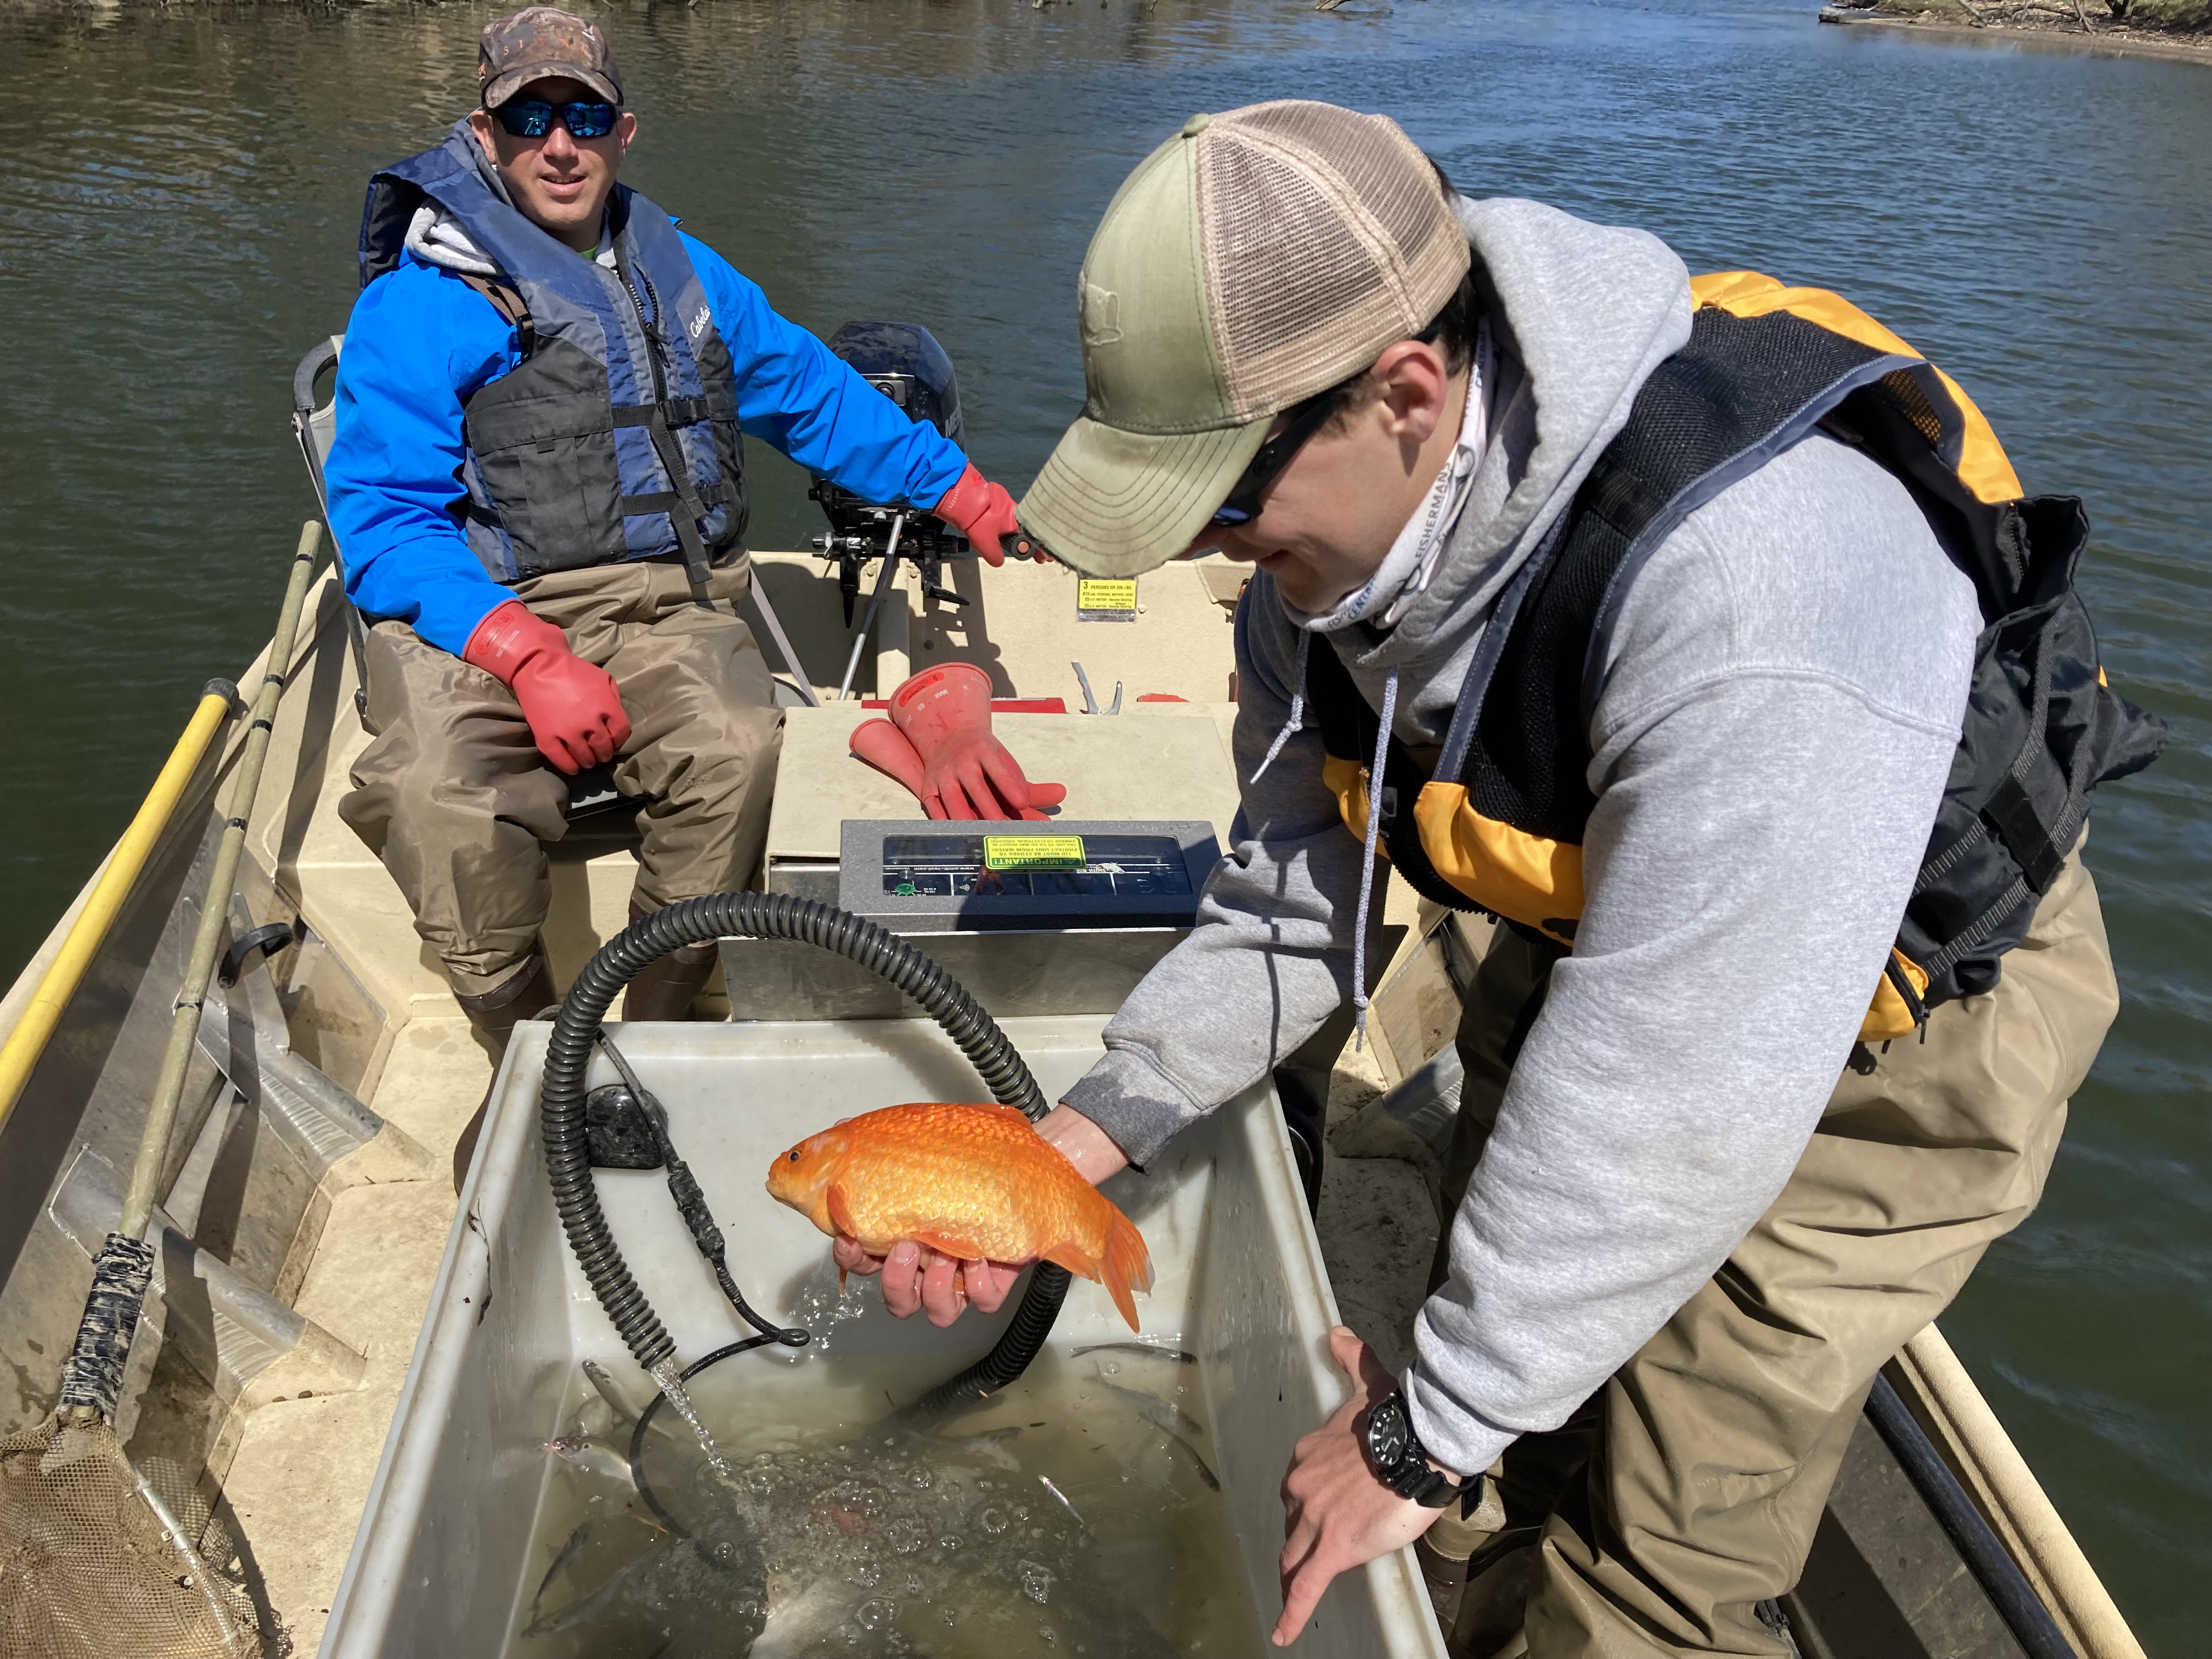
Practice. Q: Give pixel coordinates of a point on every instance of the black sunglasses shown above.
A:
(1307, 418)
(534, 117)
(1242, 505)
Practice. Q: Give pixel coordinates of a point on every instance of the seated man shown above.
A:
(538, 490)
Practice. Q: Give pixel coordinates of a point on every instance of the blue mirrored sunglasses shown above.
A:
(534, 117)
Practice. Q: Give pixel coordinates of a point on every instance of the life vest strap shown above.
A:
(667, 501)
(1468, 708)
(676, 411)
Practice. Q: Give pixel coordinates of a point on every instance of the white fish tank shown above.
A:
(1120, 1499)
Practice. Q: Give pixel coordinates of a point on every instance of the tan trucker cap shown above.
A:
(1255, 258)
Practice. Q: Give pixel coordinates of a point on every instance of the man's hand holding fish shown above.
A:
(916, 1278)
(948, 1203)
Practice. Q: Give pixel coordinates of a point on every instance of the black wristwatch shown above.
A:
(1395, 1454)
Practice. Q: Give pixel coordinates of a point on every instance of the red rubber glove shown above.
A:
(983, 511)
(966, 773)
(885, 747)
(576, 714)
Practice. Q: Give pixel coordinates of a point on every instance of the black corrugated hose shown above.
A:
(768, 916)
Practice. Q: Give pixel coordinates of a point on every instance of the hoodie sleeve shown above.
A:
(1271, 957)
(419, 344)
(1769, 756)
(793, 392)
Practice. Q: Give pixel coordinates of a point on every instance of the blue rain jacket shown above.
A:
(421, 341)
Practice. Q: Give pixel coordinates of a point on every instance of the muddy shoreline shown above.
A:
(1954, 23)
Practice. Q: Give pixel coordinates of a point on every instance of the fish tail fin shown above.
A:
(1128, 1265)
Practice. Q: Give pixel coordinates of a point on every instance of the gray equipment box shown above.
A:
(1048, 928)
(921, 875)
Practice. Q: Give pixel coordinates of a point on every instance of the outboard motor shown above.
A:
(904, 362)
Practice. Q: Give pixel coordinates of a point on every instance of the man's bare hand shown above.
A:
(1336, 1514)
(917, 1278)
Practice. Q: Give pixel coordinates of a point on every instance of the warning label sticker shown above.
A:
(1098, 599)
(1033, 852)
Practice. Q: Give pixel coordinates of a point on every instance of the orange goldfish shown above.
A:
(975, 1183)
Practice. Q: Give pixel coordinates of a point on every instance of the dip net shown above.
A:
(96, 1563)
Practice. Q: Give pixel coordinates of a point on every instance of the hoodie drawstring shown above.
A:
(1367, 856)
(1297, 720)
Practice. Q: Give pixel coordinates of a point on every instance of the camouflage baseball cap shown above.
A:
(1257, 259)
(539, 43)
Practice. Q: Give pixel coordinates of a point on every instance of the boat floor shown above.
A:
(310, 1460)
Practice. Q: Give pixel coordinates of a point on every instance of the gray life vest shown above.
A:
(616, 437)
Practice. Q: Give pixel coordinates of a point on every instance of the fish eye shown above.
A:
(794, 1155)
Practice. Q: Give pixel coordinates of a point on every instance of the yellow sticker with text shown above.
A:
(1099, 597)
(1033, 852)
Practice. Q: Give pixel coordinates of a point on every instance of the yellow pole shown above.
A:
(43, 1011)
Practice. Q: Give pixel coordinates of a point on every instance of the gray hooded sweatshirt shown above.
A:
(1782, 692)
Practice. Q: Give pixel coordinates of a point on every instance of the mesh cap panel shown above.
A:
(1391, 178)
(1325, 237)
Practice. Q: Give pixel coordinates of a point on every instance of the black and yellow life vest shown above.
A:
(1497, 822)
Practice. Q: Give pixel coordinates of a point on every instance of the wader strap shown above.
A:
(689, 509)
(2039, 849)
(509, 304)
(687, 504)
(2013, 816)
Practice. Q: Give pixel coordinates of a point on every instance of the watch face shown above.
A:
(1387, 1432)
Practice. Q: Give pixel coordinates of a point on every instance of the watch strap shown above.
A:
(1428, 1487)
(1411, 1477)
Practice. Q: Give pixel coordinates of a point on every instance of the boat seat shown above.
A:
(594, 803)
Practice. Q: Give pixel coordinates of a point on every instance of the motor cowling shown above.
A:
(904, 361)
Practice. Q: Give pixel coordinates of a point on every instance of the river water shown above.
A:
(181, 185)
